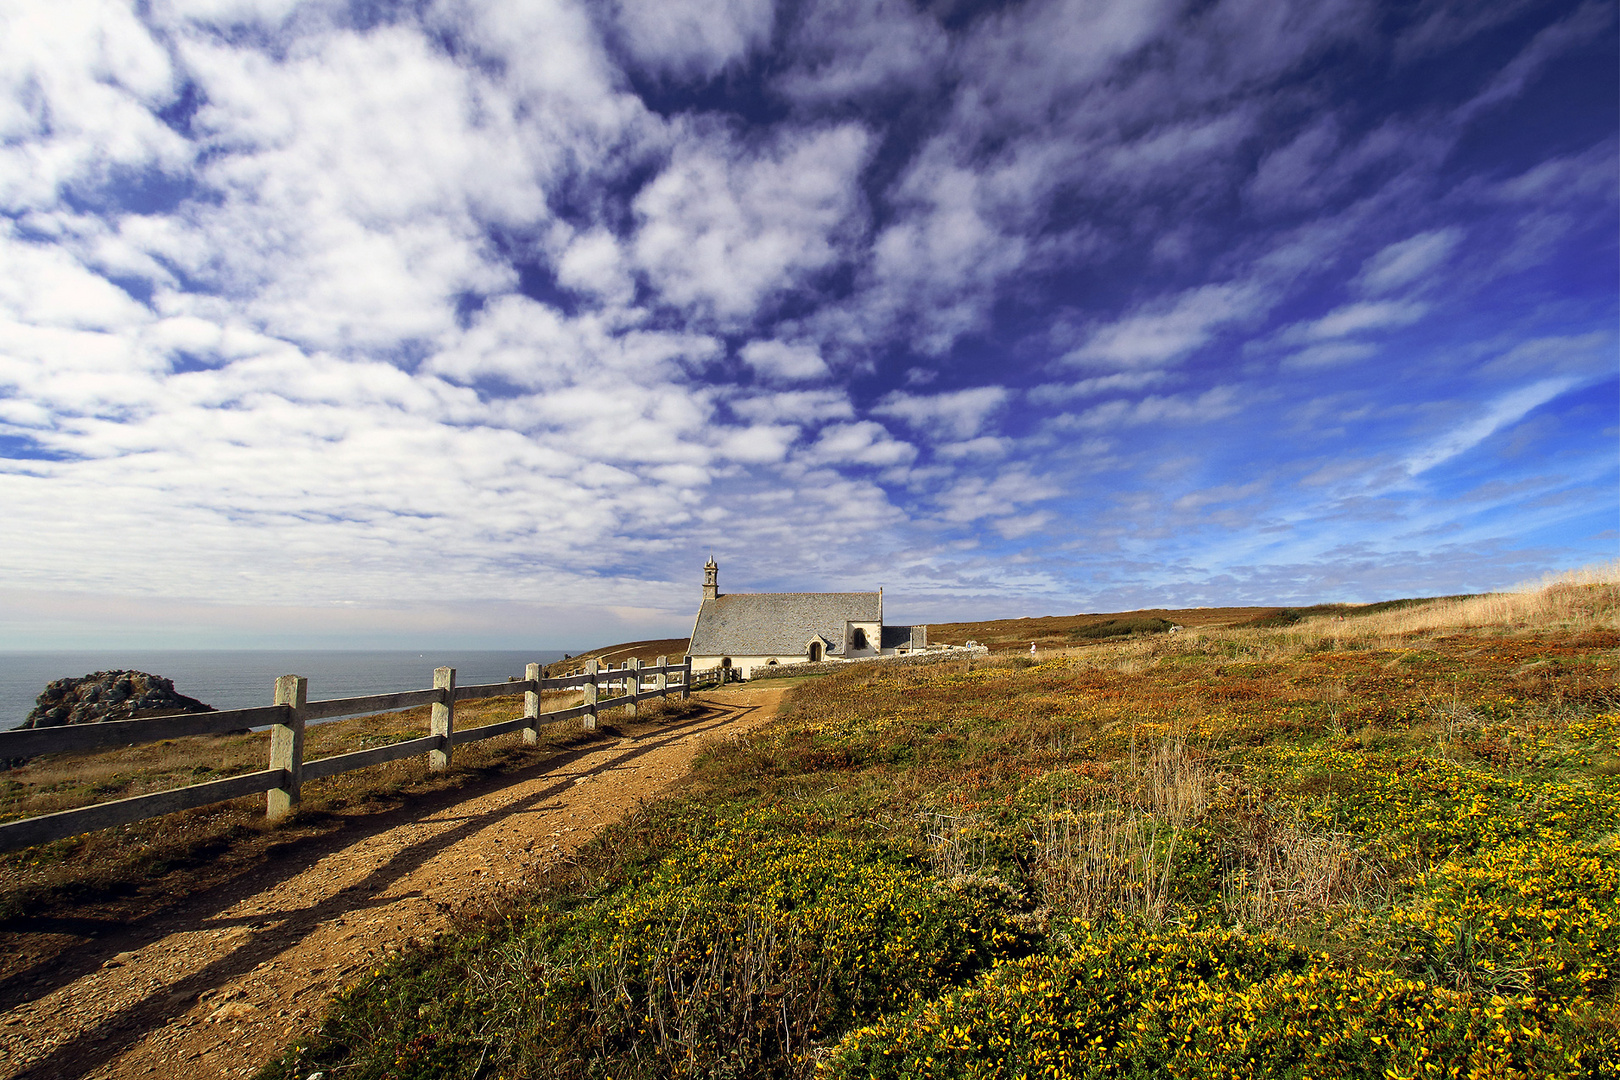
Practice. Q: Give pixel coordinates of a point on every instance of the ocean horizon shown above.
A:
(242, 678)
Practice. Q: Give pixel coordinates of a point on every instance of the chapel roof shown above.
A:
(758, 624)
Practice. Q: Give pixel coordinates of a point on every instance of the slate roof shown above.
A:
(756, 624)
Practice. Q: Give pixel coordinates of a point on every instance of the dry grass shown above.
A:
(1575, 601)
(55, 782)
(1289, 874)
(207, 842)
(1117, 853)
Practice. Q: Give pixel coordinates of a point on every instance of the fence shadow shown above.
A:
(97, 1045)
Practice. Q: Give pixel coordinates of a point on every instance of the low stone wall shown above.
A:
(788, 671)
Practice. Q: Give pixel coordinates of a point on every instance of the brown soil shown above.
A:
(216, 983)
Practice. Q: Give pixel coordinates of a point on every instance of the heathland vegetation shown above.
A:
(1349, 844)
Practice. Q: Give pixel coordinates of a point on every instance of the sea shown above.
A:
(239, 679)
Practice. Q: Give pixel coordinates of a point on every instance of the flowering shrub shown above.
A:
(747, 947)
(1524, 916)
(734, 955)
(1210, 1003)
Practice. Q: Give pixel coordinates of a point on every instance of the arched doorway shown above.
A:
(815, 652)
(857, 640)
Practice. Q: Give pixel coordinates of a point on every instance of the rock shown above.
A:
(232, 1010)
(110, 695)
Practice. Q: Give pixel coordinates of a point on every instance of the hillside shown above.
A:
(1344, 847)
(1047, 632)
(1058, 631)
(645, 651)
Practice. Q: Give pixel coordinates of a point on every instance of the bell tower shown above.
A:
(711, 579)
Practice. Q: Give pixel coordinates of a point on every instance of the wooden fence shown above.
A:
(288, 770)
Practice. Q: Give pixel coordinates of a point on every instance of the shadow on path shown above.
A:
(101, 1043)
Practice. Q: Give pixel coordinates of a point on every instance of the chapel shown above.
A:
(746, 631)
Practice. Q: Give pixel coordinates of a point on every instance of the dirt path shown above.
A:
(217, 985)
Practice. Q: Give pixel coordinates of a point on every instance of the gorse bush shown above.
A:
(1210, 1003)
(746, 948)
(1260, 853)
(735, 955)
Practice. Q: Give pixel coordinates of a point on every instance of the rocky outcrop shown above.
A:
(110, 695)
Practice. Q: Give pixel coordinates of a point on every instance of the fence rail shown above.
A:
(287, 771)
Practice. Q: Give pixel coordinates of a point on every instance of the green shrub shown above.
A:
(1111, 628)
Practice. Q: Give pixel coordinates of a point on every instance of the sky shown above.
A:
(484, 324)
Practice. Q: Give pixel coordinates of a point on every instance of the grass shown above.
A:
(176, 853)
(1383, 845)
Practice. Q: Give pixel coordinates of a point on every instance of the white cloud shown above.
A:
(985, 446)
(959, 415)
(759, 445)
(78, 83)
(1589, 22)
(595, 263)
(1328, 355)
(1358, 318)
(1063, 393)
(1586, 356)
(1291, 175)
(844, 49)
(725, 228)
(1178, 146)
(938, 264)
(861, 443)
(799, 406)
(1504, 411)
(1401, 264)
(296, 322)
(783, 360)
(694, 39)
(45, 286)
(535, 347)
(1165, 330)
(1213, 404)
(974, 498)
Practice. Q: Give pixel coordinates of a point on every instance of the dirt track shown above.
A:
(216, 985)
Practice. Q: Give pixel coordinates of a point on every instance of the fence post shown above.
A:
(443, 723)
(686, 677)
(531, 706)
(287, 746)
(661, 680)
(589, 720)
(632, 684)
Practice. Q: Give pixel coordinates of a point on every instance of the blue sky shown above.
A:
(484, 324)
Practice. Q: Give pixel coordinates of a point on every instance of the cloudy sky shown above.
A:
(485, 323)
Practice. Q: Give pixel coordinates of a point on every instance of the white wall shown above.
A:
(747, 664)
(874, 638)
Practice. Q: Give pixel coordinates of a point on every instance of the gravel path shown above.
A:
(217, 985)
